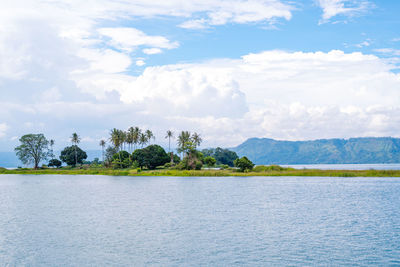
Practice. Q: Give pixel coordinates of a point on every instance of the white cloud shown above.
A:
(140, 62)
(277, 94)
(195, 24)
(390, 51)
(3, 128)
(129, 39)
(349, 8)
(152, 51)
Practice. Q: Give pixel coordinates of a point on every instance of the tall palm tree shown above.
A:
(51, 146)
(196, 139)
(75, 139)
(143, 139)
(129, 138)
(102, 144)
(170, 135)
(149, 135)
(183, 140)
(116, 138)
(136, 135)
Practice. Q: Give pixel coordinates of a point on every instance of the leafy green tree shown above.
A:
(33, 149)
(196, 139)
(72, 155)
(150, 157)
(54, 163)
(210, 161)
(110, 151)
(121, 159)
(244, 164)
(75, 139)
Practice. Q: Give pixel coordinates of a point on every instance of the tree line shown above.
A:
(132, 148)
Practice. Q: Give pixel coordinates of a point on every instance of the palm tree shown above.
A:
(51, 146)
(183, 140)
(102, 144)
(149, 135)
(196, 139)
(170, 135)
(75, 139)
(116, 138)
(143, 139)
(129, 137)
(136, 135)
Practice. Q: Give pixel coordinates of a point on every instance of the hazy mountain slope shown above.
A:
(334, 151)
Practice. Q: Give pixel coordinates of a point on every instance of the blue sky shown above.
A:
(230, 70)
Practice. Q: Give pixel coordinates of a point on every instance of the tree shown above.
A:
(244, 164)
(142, 139)
(149, 135)
(196, 139)
(183, 142)
(102, 144)
(33, 149)
(150, 157)
(170, 135)
(54, 163)
(51, 148)
(210, 161)
(136, 136)
(72, 155)
(121, 159)
(75, 139)
(110, 151)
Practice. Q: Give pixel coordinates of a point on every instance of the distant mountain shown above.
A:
(324, 151)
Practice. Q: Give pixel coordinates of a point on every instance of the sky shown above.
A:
(227, 69)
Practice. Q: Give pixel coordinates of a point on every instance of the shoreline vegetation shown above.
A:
(273, 170)
(130, 153)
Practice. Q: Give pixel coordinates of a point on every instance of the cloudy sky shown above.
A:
(228, 69)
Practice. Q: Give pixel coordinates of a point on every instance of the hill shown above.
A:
(324, 151)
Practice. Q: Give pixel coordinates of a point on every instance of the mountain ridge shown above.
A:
(355, 150)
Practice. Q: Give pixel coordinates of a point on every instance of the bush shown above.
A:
(263, 168)
(151, 157)
(54, 163)
(244, 164)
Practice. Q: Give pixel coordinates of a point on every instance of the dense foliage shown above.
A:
(209, 161)
(244, 164)
(151, 157)
(222, 156)
(72, 155)
(33, 149)
(54, 163)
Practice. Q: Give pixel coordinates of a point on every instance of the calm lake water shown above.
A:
(192, 221)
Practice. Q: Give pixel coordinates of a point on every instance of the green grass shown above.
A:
(258, 171)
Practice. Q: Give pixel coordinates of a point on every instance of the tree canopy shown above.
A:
(33, 149)
(72, 155)
(244, 164)
(150, 157)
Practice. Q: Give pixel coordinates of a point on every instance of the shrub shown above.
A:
(244, 164)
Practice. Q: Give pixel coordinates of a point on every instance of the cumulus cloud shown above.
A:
(348, 8)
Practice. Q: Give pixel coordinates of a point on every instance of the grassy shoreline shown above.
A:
(210, 173)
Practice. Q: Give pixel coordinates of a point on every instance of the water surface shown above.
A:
(193, 221)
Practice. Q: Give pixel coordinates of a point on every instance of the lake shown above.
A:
(193, 221)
